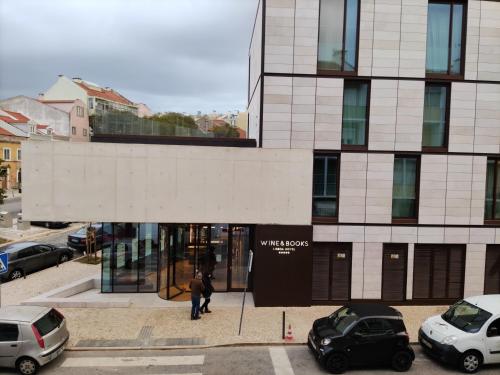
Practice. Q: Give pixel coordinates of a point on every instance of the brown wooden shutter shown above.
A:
(456, 270)
(422, 272)
(439, 272)
(340, 284)
(394, 272)
(492, 270)
(321, 271)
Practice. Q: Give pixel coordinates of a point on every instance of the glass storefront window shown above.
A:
(148, 257)
(106, 246)
(240, 246)
(219, 243)
(126, 251)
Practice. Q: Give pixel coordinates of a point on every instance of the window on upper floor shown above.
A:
(91, 103)
(6, 154)
(79, 111)
(18, 154)
(404, 188)
(492, 203)
(84, 132)
(338, 36)
(355, 114)
(445, 38)
(436, 116)
(73, 130)
(325, 186)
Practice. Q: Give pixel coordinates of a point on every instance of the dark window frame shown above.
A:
(495, 188)
(408, 220)
(364, 147)
(449, 75)
(342, 72)
(443, 148)
(327, 219)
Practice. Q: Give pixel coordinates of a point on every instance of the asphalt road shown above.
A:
(261, 360)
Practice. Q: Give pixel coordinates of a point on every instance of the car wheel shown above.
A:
(27, 366)
(337, 363)
(63, 258)
(402, 361)
(470, 362)
(16, 274)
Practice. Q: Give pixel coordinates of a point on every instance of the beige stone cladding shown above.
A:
(255, 52)
(458, 189)
(383, 113)
(379, 178)
(487, 130)
(328, 120)
(478, 190)
(472, 45)
(474, 269)
(305, 48)
(462, 117)
(303, 112)
(277, 112)
(432, 198)
(410, 116)
(280, 30)
(352, 190)
(488, 66)
(412, 48)
(365, 49)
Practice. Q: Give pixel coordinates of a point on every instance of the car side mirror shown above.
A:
(492, 331)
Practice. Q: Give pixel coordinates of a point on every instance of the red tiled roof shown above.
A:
(40, 126)
(18, 118)
(56, 101)
(110, 95)
(5, 132)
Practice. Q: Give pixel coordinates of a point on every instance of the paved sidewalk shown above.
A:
(35, 233)
(151, 321)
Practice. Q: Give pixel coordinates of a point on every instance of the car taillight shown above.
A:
(38, 337)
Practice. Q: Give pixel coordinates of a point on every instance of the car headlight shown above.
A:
(326, 341)
(449, 340)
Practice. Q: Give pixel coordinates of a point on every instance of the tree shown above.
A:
(225, 131)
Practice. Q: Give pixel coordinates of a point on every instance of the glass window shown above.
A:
(148, 257)
(325, 186)
(8, 332)
(492, 202)
(18, 154)
(6, 154)
(404, 188)
(48, 322)
(219, 242)
(338, 35)
(467, 317)
(91, 103)
(355, 113)
(106, 246)
(126, 251)
(436, 110)
(444, 37)
(73, 130)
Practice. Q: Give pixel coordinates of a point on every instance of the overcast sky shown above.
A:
(174, 55)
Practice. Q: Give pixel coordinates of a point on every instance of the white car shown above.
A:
(467, 335)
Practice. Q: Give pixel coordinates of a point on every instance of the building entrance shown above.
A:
(185, 249)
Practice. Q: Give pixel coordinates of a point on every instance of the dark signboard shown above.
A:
(283, 265)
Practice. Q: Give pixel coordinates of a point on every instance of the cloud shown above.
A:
(183, 55)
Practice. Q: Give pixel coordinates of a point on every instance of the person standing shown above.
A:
(209, 289)
(197, 287)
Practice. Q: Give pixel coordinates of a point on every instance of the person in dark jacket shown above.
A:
(197, 288)
(209, 289)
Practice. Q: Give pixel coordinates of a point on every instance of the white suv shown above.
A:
(467, 335)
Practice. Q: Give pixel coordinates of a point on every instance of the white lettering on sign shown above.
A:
(340, 255)
(394, 256)
(284, 247)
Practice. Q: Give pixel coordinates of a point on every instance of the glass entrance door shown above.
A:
(239, 254)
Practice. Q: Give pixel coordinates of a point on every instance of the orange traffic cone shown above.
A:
(289, 334)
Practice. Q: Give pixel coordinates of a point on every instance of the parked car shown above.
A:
(30, 337)
(27, 257)
(51, 224)
(78, 240)
(361, 335)
(467, 335)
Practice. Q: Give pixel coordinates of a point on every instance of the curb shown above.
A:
(186, 347)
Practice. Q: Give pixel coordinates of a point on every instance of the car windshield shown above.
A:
(467, 317)
(341, 319)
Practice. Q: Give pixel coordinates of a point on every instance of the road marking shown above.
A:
(134, 361)
(281, 363)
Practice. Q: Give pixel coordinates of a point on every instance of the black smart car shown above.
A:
(361, 335)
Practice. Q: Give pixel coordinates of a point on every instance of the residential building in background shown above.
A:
(371, 172)
(96, 98)
(143, 110)
(10, 146)
(63, 119)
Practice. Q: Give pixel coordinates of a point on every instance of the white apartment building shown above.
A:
(371, 172)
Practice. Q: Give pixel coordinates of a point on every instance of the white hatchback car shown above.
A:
(30, 337)
(467, 335)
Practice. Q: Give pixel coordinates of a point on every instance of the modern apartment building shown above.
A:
(371, 172)
(399, 100)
